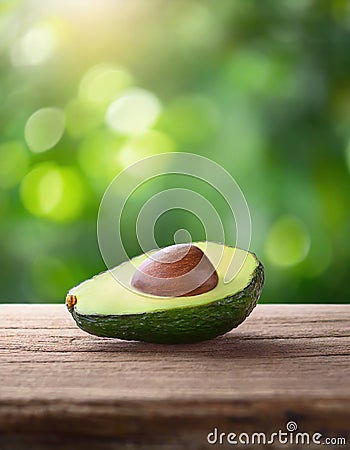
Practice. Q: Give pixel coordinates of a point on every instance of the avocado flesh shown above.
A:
(105, 307)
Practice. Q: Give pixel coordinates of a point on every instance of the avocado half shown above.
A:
(104, 307)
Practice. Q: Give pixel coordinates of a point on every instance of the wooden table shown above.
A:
(61, 388)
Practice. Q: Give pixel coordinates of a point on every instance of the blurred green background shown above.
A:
(88, 87)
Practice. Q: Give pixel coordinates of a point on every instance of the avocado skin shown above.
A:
(179, 325)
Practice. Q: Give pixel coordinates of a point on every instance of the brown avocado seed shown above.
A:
(176, 271)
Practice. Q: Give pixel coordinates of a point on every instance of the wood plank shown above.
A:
(60, 385)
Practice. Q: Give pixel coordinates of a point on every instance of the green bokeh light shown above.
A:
(54, 192)
(146, 144)
(44, 129)
(34, 47)
(134, 112)
(103, 83)
(288, 242)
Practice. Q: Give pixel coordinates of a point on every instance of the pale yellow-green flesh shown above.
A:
(103, 294)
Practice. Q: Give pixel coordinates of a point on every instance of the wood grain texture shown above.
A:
(61, 388)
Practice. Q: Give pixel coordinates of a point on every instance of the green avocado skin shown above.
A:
(179, 325)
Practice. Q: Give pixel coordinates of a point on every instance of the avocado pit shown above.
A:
(176, 271)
